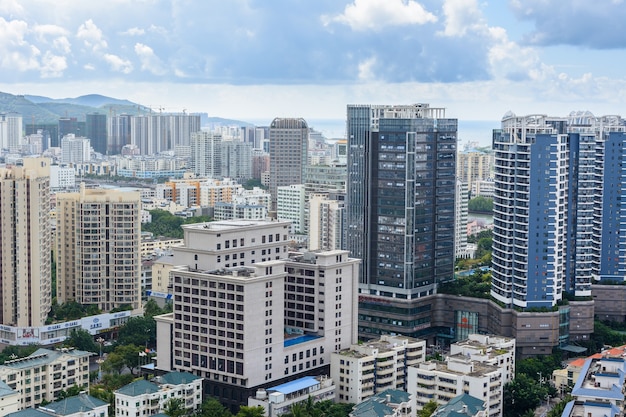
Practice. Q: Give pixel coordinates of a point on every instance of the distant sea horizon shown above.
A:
(469, 130)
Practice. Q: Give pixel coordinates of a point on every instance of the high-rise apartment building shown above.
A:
(400, 210)
(557, 210)
(98, 248)
(326, 222)
(158, 132)
(118, 133)
(474, 166)
(236, 158)
(289, 140)
(96, 131)
(75, 150)
(290, 205)
(11, 131)
(206, 154)
(460, 218)
(25, 232)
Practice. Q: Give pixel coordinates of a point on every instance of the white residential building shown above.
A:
(206, 154)
(326, 219)
(441, 381)
(142, 397)
(62, 177)
(75, 150)
(229, 211)
(247, 314)
(598, 391)
(460, 220)
(45, 373)
(290, 205)
(374, 366)
(490, 349)
(11, 130)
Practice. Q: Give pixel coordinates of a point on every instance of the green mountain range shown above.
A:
(41, 110)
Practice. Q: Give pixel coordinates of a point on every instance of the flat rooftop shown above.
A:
(223, 225)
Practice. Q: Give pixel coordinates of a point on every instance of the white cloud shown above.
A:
(366, 69)
(134, 32)
(377, 14)
(52, 65)
(149, 61)
(89, 67)
(462, 16)
(11, 8)
(118, 64)
(15, 52)
(91, 35)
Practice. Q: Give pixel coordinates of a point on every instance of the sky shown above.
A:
(260, 59)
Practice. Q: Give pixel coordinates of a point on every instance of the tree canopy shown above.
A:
(480, 205)
(166, 224)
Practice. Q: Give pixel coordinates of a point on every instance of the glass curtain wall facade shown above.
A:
(400, 209)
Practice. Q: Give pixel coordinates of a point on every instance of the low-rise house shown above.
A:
(278, 400)
(463, 405)
(599, 390)
(81, 405)
(388, 403)
(142, 397)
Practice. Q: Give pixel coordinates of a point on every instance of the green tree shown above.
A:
(480, 204)
(175, 407)
(428, 409)
(138, 331)
(131, 356)
(211, 407)
(151, 309)
(245, 411)
(114, 363)
(70, 392)
(523, 394)
(82, 340)
(16, 352)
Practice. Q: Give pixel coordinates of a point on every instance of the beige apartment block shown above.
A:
(98, 242)
(372, 367)
(25, 233)
(441, 381)
(45, 373)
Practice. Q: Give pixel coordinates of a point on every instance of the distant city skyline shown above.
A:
(252, 60)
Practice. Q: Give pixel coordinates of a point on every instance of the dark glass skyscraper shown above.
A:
(96, 126)
(400, 211)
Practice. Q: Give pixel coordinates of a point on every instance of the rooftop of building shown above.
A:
(478, 368)
(226, 225)
(28, 412)
(383, 344)
(598, 382)
(295, 386)
(5, 390)
(159, 383)
(381, 404)
(138, 387)
(77, 404)
(43, 357)
(177, 378)
(578, 408)
(460, 406)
